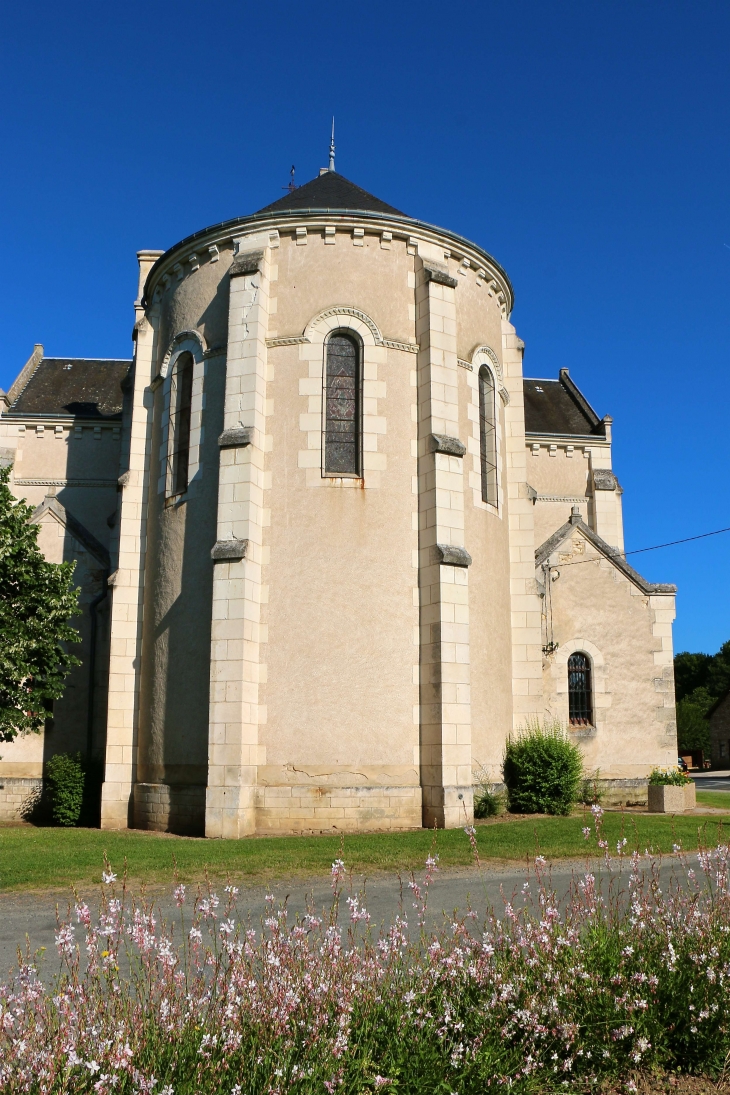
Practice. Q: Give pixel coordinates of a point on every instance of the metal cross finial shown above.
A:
(332, 148)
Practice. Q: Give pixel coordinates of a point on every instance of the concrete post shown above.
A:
(445, 704)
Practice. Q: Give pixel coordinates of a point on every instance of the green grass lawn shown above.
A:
(44, 857)
(719, 799)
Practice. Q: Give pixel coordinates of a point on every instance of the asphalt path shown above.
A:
(712, 781)
(31, 918)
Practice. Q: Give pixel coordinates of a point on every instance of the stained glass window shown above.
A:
(580, 699)
(488, 435)
(342, 407)
(181, 397)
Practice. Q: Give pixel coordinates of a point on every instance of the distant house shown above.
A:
(719, 716)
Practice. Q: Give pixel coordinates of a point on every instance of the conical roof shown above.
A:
(330, 192)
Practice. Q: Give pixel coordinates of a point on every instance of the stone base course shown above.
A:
(315, 809)
(622, 792)
(18, 797)
(167, 808)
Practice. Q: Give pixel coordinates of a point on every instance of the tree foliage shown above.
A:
(37, 600)
(699, 679)
(693, 729)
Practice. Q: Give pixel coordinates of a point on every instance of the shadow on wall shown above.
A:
(77, 723)
(174, 698)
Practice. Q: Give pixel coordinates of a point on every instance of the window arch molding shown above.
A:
(351, 321)
(346, 317)
(188, 345)
(184, 342)
(485, 355)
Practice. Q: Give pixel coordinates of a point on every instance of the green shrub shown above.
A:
(591, 792)
(487, 803)
(668, 777)
(543, 770)
(65, 780)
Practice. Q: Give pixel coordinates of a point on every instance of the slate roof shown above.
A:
(330, 191)
(559, 407)
(82, 387)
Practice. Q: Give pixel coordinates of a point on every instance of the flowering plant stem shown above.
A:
(542, 994)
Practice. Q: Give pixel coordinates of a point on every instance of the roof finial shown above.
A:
(332, 147)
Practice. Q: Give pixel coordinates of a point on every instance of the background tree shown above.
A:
(36, 602)
(699, 679)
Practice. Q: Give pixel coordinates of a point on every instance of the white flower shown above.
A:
(108, 877)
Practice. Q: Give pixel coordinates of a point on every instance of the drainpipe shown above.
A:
(92, 663)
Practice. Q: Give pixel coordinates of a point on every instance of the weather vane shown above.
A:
(332, 147)
(291, 185)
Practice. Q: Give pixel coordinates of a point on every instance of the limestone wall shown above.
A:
(336, 594)
(77, 464)
(626, 633)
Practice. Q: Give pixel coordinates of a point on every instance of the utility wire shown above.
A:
(656, 547)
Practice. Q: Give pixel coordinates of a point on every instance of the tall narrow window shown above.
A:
(488, 435)
(580, 698)
(342, 407)
(181, 397)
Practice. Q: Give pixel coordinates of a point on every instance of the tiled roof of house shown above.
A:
(558, 407)
(330, 191)
(82, 387)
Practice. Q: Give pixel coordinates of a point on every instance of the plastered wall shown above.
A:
(626, 633)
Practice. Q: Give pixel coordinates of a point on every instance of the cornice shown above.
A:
(568, 439)
(405, 228)
(36, 418)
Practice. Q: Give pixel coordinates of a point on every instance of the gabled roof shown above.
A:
(80, 533)
(81, 387)
(559, 407)
(553, 542)
(330, 192)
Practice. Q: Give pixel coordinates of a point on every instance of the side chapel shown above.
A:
(332, 545)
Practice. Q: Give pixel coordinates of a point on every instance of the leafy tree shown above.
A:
(693, 729)
(699, 679)
(690, 671)
(36, 603)
(719, 674)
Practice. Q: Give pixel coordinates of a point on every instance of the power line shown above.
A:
(655, 547)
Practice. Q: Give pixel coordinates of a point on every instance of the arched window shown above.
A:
(181, 398)
(580, 690)
(342, 406)
(488, 435)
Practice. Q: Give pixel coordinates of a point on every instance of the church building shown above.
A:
(333, 546)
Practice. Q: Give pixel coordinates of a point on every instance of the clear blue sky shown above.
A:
(583, 144)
